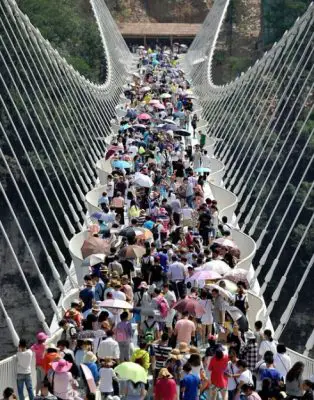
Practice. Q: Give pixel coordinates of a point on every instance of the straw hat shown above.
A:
(52, 346)
(107, 360)
(183, 347)
(194, 350)
(89, 357)
(164, 373)
(61, 366)
(175, 354)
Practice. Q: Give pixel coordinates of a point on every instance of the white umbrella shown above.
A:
(169, 121)
(115, 303)
(143, 180)
(141, 47)
(226, 242)
(93, 259)
(145, 89)
(165, 96)
(225, 293)
(217, 265)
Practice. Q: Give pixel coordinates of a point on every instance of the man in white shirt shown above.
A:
(177, 274)
(117, 294)
(282, 361)
(205, 160)
(171, 299)
(109, 347)
(110, 187)
(24, 359)
(133, 150)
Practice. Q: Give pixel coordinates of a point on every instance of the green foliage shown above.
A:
(70, 27)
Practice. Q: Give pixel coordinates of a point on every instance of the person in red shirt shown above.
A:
(165, 387)
(219, 381)
(189, 237)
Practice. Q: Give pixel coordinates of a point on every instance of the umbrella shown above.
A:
(130, 371)
(238, 316)
(89, 378)
(230, 286)
(141, 47)
(99, 216)
(167, 127)
(154, 101)
(202, 170)
(159, 106)
(142, 180)
(190, 96)
(115, 303)
(184, 45)
(137, 75)
(95, 245)
(143, 233)
(217, 265)
(139, 126)
(155, 62)
(145, 89)
(125, 127)
(131, 114)
(132, 251)
(226, 243)
(205, 275)
(191, 305)
(238, 275)
(165, 96)
(179, 114)
(128, 232)
(121, 164)
(182, 132)
(144, 116)
(224, 293)
(93, 259)
(170, 121)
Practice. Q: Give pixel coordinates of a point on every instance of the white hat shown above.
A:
(249, 335)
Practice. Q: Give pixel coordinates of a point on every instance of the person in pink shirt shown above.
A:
(39, 349)
(184, 329)
(219, 380)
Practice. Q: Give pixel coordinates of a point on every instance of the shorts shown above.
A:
(169, 318)
(218, 389)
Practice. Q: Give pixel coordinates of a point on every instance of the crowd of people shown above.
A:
(164, 314)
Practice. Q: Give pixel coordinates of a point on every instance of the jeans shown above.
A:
(189, 201)
(27, 379)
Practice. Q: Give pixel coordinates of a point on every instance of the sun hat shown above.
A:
(89, 357)
(175, 354)
(143, 285)
(41, 336)
(164, 373)
(61, 365)
(107, 360)
(194, 350)
(249, 335)
(183, 347)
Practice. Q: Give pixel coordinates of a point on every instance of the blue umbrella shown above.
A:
(121, 164)
(179, 114)
(131, 114)
(169, 127)
(125, 127)
(98, 215)
(202, 170)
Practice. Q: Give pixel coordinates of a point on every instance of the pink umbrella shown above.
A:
(154, 101)
(159, 106)
(94, 245)
(144, 116)
(226, 242)
(191, 305)
(238, 275)
(205, 275)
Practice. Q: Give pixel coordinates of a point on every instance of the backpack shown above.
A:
(149, 332)
(155, 232)
(163, 307)
(121, 335)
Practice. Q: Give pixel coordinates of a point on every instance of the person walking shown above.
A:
(24, 359)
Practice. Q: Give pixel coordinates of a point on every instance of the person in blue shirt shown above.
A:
(90, 361)
(148, 224)
(190, 384)
(103, 200)
(99, 286)
(163, 259)
(87, 294)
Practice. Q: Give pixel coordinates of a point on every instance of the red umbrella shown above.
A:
(144, 116)
(191, 305)
(95, 245)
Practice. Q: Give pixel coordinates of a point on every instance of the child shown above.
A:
(107, 376)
